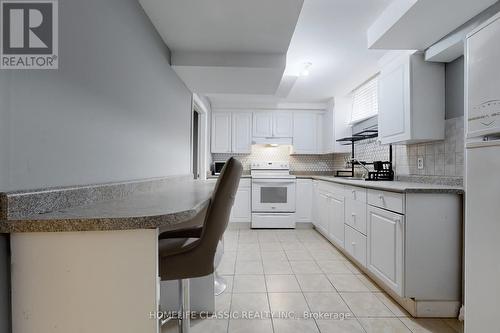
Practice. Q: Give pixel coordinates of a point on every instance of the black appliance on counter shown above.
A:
(217, 167)
(382, 169)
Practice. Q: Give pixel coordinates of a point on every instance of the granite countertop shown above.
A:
(169, 205)
(394, 186)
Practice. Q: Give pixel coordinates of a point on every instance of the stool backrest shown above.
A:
(219, 210)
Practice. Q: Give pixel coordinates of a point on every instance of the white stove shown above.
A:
(273, 195)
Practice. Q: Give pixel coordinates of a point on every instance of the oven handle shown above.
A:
(273, 181)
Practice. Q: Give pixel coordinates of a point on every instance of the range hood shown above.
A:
(272, 141)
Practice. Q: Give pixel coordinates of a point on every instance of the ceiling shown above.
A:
(331, 34)
(226, 46)
(418, 24)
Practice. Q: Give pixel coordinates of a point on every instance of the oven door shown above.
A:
(273, 195)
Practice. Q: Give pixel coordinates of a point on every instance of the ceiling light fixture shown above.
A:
(306, 69)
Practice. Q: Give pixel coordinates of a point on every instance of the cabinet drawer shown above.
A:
(245, 182)
(355, 193)
(335, 189)
(387, 200)
(355, 244)
(355, 215)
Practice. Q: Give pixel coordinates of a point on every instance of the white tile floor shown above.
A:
(301, 272)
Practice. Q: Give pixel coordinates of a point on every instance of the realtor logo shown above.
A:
(29, 34)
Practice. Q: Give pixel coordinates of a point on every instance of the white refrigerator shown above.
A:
(482, 182)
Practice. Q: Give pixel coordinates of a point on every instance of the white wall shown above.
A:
(114, 110)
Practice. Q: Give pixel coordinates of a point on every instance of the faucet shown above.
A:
(360, 163)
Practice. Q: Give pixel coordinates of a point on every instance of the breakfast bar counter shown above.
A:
(85, 258)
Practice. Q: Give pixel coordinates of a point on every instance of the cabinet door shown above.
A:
(385, 247)
(323, 213)
(282, 124)
(304, 200)
(242, 132)
(336, 221)
(393, 98)
(315, 203)
(305, 138)
(242, 207)
(262, 124)
(221, 132)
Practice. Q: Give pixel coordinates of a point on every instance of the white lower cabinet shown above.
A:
(410, 243)
(385, 254)
(329, 203)
(323, 212)
(336, 219)
(304, 200)
(242, 207)
(355, 244)
(315, 203)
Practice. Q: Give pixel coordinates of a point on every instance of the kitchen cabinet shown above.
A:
(304, 200)
(262, 124)
(355, 208)
(282, 124)
(411, 99)
(307, 133)
(355, 245)
(221, 132)
(336, 219)
(241, 132)
(231, 132)
(410, 243)
(386, 247)
(242, 206)
(272, 124)
(323, 212)
(330, 201)
(315, 203)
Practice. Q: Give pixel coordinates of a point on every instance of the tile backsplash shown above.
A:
(305, 163)
(443, 160)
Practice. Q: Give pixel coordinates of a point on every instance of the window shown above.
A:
(365, 101)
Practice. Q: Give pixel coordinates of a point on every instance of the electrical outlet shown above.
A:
(420, 163)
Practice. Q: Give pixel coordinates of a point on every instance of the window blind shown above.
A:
(365, 101)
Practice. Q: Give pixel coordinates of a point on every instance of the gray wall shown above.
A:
(455, 88)
(4, 284)
(114, 110)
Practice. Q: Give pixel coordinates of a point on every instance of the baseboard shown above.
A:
(248, 225)
(437, 309)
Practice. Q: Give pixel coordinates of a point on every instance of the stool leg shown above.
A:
(219, 284)
(185, 306)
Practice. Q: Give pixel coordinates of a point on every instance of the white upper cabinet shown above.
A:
(306, 134)
(262, 124)
(282, 124)
(242, 132)
(272, 124)
(221, 132)
(231, 132)
(411, 99)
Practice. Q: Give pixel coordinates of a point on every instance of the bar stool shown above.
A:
(190, 253)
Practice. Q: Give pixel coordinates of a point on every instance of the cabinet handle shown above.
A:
(381, 197)
(353, 243)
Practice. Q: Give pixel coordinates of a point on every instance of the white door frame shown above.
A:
(203, 113)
